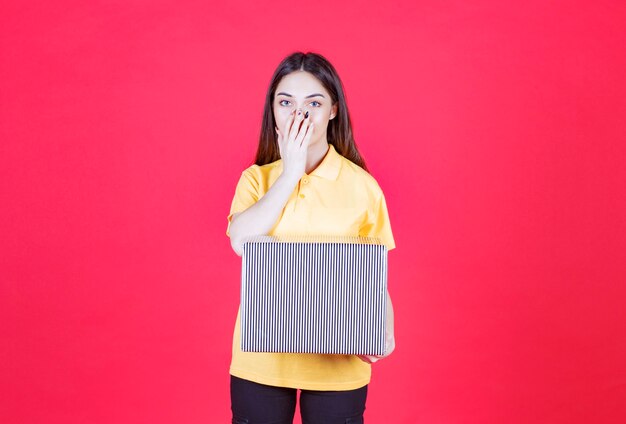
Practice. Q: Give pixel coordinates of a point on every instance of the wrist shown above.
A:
(290, 177)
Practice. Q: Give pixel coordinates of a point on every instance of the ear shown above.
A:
(333, 111)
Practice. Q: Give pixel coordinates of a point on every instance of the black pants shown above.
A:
(255, 403)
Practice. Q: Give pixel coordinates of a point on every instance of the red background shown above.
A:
(496, 130)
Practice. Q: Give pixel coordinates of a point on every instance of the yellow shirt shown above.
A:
(336, 198)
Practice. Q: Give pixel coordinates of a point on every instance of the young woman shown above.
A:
(308, 179)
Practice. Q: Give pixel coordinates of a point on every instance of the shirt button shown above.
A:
(301, 196)
(305, 180)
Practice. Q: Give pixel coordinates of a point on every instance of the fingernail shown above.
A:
(306, 115)
(299, 112)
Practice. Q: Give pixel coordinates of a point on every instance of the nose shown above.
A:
(303, 110)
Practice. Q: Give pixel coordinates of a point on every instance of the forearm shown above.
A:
(259, 218)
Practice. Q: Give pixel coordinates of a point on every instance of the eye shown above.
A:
(281, 102)
(315, 101)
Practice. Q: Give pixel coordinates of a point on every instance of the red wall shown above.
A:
(496, 131)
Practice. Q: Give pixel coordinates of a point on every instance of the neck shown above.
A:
(315, 155)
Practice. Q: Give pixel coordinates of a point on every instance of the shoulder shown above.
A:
(260, 172)
(360, 177)
(260, 177)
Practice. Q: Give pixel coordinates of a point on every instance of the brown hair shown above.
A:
(339, 131)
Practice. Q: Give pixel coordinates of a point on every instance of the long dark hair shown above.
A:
(339, 131)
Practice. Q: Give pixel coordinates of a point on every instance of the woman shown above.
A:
(308, 179)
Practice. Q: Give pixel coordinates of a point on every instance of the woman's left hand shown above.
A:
(390, 340)
(390, 345)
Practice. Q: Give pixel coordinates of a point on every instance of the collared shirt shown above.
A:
(337, 198)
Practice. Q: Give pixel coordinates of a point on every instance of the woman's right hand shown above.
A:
(293, 143)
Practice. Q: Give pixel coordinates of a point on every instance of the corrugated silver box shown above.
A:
(313, 295)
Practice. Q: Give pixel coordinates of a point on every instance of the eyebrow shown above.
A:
(310, 95)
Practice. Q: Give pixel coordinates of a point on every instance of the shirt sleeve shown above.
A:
(246, 195)
(377, 223)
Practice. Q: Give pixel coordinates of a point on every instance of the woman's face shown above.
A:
(301, 90)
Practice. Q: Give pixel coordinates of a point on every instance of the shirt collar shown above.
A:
(329, 166)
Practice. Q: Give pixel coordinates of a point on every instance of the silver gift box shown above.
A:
(313, 294)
